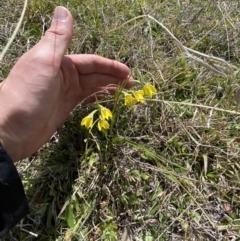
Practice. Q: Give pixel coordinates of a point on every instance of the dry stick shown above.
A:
(226, 30)
(151, 48)
(187, 51)
(15, 31)
(192, 54)
(197, 105)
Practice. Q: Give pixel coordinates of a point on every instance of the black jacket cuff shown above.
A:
(13, 202)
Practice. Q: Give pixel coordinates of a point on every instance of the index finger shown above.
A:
(90, 63)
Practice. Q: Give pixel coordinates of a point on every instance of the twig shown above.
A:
(15, 31)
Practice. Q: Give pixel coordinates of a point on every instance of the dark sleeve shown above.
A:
(13, 202)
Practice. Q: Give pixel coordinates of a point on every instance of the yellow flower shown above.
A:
(139, 96)
(106, 113)
(87, 121)
(149, 90)
(130, 100)
(103, 124)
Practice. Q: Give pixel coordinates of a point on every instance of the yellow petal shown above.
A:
(99, 125)
(87, 122)
(103, 124)
(130, 100)
(149, 90)
(83, 122)
(106, 113)
(139, 95)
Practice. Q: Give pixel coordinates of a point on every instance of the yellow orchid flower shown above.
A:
(87, 121)
(130, 100)
(149, 90)
(106, 113)
(103, 124)
(139, 95)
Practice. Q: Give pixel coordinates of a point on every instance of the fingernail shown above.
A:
(60, 13)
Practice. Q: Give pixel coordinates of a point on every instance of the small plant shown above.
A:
(105, 115)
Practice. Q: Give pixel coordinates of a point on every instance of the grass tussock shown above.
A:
(169, 170)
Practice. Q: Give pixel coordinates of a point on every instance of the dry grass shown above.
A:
(170, 168)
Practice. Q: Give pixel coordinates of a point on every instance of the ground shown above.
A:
(167, 169)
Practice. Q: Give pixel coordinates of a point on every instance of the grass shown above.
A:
(170, 168)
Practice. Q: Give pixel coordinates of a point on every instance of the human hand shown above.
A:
(45, 85)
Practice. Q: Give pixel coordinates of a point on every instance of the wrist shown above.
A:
(7, 138)
(10, 146)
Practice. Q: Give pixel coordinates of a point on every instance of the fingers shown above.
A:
(98, 76)
(88, 81)
(91, 95)
(53, 45)
(87, 63)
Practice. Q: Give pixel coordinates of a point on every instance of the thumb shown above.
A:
(58, 37)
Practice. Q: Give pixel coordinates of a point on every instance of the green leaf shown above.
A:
(70, 216)
(148, 237)
(144, 176)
